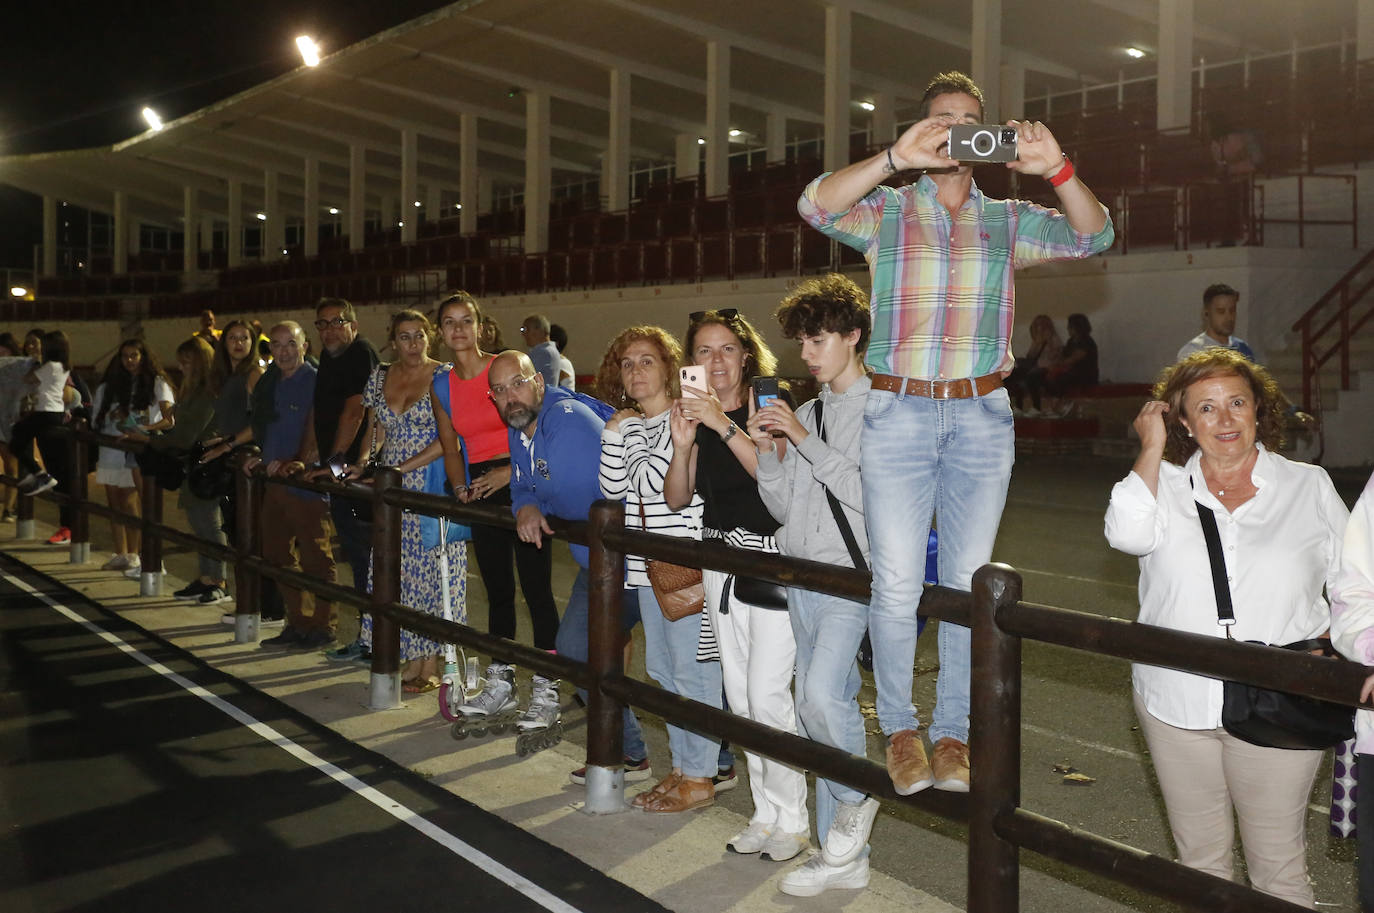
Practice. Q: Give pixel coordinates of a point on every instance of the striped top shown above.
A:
(634, 463)
(943, 296)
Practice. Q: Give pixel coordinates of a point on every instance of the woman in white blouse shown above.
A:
(1210, 438)
(639, 374)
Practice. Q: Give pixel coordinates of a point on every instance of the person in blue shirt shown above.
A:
(555, 449)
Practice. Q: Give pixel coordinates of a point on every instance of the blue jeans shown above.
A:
(355, 539)
(921, 456)
(828, 630)
(572, 643)
(670, 657)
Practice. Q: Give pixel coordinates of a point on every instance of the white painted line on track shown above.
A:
(382, 801)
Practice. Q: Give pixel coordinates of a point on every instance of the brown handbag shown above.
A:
(677, 588)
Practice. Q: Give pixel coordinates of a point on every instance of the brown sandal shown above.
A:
(658, 789)
(689, 793)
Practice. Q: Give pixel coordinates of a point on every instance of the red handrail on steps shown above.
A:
(1341, 299)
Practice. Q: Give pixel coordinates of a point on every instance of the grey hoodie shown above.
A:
(793, 489)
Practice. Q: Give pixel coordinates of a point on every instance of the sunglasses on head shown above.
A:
(723, 313)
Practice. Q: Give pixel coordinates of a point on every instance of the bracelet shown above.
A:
(730, 432)
(1063, 175)
(891, 166)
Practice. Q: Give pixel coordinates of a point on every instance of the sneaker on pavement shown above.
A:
(750, 840)
(63, 536)
(191, 591)
(316, 640)
(782, 846)
(949, 761)
(725, 779)
(907, 764)
(288, 638)
(848, 834)
(116, 563)
(213, 596)
(352, 653)
(816, 875)
(634, 772)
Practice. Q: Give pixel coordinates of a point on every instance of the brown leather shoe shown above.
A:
(687, 794)
(661, 787)
(906, 763)
(949, 760)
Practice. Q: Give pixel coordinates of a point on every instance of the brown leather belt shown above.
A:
(962, 388)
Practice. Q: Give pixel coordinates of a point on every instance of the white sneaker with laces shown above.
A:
(816, 875)
(848, 834)
(782, 846)
(750, 840)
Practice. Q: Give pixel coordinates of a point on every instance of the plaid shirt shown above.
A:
(943, 295)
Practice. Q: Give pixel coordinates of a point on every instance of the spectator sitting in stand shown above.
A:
(1077, 367)
(1029, 374)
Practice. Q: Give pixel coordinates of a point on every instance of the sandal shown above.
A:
(419, 686)
(687, 794)
(667, 783)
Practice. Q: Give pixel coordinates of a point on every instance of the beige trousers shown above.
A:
(1205, 773)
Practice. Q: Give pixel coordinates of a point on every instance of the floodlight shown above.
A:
(333, 210)
(154, 122)
(418, 204)
(701, 141)
(262, 217)
(867, 105)
(457, 205)
(1137, 53)
(310, 52)
(18, 291)
(734, 133)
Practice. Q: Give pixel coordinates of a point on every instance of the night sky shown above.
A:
(78, 74)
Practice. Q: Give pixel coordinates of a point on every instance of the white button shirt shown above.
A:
(1281, 548)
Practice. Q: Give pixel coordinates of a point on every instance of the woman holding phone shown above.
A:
(714, 457)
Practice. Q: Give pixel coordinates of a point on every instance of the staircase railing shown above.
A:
(1327, 327)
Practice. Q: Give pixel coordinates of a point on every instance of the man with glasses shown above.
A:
(543, 351)
(555, 450)
(938, 429)
(345, 365)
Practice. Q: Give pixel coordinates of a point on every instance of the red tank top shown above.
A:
(474, 416)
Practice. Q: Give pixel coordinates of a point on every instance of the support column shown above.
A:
(410, 219)
(467, 175)
(884, 117)
(233, 235)
(312, 207)
(119, 251)
(837, 59)
(1013, 86)
(615, 181)
(49, 236)
(357, 202)
(273, 230)
(537, 172)
(207, 234)
(687, 156)
(434, 202)
(717, 118)
(775, 136)
(190, 224)
(1174, 83)
(987, 56)
(1364, 29)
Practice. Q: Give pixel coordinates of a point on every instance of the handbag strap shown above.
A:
(846, 532)
(1226, 616)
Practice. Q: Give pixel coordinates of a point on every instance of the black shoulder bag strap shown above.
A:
(841, 520)
(1225, 615)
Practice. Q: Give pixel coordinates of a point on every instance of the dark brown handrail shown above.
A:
(1317, 345)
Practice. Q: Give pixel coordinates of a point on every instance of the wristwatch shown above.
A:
(730, 432)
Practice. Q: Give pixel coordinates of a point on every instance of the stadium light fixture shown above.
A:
(18, 291)
(154, 122)
(262, 217)
(310, 51)
(867, 105)
(333, 210)
(1137, 53)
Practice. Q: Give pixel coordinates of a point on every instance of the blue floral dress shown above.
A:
(406, 435)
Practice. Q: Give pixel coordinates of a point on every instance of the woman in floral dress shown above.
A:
(404, 435)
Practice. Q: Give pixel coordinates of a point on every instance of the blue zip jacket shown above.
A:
(561, 479)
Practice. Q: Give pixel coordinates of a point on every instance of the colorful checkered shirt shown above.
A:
(943, 295)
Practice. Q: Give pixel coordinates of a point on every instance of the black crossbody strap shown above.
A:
(846, 533)
(1225, 614)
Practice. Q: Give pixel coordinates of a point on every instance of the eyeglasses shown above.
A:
(723, 314)
(501, 391)
(336, 323)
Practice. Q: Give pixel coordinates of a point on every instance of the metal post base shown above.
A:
(80, 553)
(605, 791)
(246, 628)
(24, 529)
(384, 691)
(150, 583)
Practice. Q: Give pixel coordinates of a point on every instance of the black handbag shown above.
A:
(1263, 716)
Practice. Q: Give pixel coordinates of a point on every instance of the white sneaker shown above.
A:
(750, 840)
(782, 846)
(116, 563)
(848, 834)
(133, 569)
(816, 875)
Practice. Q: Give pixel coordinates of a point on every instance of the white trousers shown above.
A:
(757, 656)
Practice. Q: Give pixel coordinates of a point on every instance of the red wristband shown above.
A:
(1063, 175)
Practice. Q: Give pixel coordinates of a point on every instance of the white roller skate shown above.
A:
(492, 709)
(541, 724)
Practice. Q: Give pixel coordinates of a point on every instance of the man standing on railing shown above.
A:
(294, 522)
(345, 366)
(1219, 305)
(555, 450)
(938, 429)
